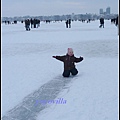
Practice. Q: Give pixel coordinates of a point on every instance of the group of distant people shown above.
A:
(68, 23)
(9, 22)
(113, 20)
(35, 23)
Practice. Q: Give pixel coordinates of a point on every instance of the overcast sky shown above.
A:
(11, 8)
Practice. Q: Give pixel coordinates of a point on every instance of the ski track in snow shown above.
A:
(28, 110)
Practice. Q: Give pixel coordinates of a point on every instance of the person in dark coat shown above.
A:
(101, 22)
(116, 21)
(27, 24)
(69, 22)
(66, 24)
(31, 21)
(34, 22)
(69, 61)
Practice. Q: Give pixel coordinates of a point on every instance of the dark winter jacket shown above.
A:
(101, 20)
(69, 61)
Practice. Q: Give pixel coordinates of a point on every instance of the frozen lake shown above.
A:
(29, 73)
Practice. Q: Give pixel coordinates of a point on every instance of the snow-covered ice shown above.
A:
(29, 73)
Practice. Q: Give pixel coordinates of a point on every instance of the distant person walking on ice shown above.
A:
(101, 22)
(69, 22)
(66, 24)
(69, 61)
(27, 24)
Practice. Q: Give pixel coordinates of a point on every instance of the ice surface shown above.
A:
(29, 72)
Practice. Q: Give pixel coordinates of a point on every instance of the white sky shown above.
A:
(11, 8)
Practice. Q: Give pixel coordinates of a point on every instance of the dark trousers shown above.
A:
(27, 27)
(73, 71)
(101, 25)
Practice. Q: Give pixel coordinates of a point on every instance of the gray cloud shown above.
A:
(52, 7)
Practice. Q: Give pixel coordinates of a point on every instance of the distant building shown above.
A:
(108, 10)
(101, 11)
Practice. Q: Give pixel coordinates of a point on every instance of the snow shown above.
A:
(27, 65)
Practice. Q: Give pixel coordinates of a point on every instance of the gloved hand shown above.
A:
(81, 57)
(54, 56)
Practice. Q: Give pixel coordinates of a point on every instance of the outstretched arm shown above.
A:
(78, 59)
(61, 58)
